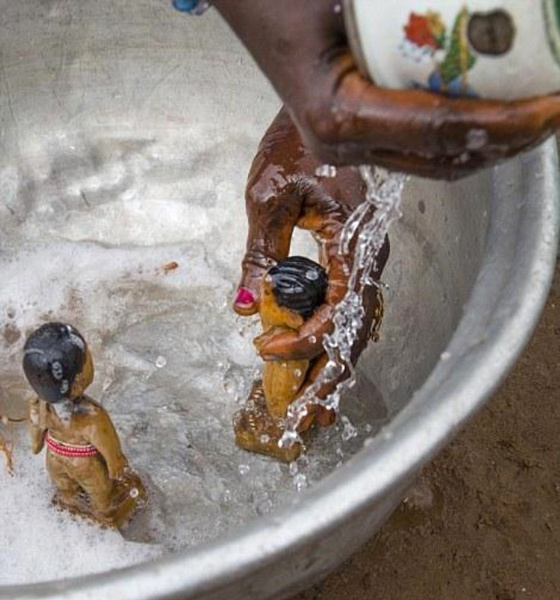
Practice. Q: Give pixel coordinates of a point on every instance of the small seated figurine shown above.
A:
(84, 457)
(290, 293)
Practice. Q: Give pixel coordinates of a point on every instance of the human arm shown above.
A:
(344, 119)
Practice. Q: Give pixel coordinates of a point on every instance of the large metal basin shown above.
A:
(469, 272)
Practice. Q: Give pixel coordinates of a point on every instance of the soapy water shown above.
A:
(138, 244)
(367, 227)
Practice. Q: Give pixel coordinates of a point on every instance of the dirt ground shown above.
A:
(483, 522)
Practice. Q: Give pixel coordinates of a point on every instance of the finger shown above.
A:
(322, 415)
(329, 386)
(273, 208)
(355, 119)
(254, 267)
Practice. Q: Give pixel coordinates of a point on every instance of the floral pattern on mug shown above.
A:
(451, 54)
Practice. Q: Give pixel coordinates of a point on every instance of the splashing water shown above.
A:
(367, 228)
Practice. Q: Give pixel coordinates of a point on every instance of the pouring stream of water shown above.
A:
(367, 228)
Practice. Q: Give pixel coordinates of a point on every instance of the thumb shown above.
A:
(254, 267)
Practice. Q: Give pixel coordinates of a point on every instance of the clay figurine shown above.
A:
(290, 293)
(84, 456)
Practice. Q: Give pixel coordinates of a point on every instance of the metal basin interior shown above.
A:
(469, 269)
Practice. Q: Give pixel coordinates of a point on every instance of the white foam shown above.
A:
(40, 543)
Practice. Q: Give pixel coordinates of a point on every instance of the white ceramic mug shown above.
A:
(502, 49)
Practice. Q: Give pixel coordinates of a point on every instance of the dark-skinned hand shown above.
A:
(284, 192)
(301, 47)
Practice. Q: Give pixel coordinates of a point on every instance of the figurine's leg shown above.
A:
(112, 502)
(281, 382)
(257, 431)
(92, 475)
(68, 494)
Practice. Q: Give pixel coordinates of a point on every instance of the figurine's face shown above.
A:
(274, 315)
(84, 378)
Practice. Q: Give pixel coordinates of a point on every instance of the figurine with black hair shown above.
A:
(84, 456)
(290, 293)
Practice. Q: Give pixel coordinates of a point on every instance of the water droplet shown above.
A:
(161, 361)
(312, 275)
(244, 469)
(477, 139)
(265, 438)
(348, 430)
(264, 506)
(300, 482)
(326, 171)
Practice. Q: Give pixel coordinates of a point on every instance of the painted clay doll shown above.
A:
(84, 456)
(290, 293)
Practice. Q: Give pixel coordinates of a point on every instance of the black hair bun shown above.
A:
(53, 355)
(299, 284)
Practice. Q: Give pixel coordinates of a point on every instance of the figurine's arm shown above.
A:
(36, 425)
(274, 204)
(102, 434)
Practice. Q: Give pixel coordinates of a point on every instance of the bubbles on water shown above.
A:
(348, 430)
(233, 382)
(161, 361)
(264, 506)
(244, 469)
(300, 482)
(247, 327)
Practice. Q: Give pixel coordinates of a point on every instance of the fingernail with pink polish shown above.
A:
(245, 297)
